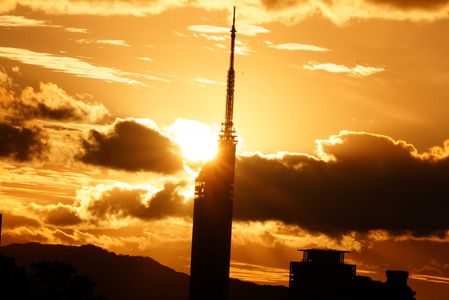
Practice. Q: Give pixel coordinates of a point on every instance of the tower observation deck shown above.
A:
(212, 212)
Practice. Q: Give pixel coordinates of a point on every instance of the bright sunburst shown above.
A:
(198, 141)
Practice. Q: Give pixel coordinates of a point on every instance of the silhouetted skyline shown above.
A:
(323, 274)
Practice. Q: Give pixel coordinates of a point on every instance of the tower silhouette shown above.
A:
(212, 212)
(1, 229)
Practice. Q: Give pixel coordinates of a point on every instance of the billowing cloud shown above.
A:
(61, 215)
(357, 71)
(49, 102)
(139, 203)
(356, 183)
(74, 66)
(296, 47)
(132, 146)
(254, 11)
(21, 143)
(359, 182)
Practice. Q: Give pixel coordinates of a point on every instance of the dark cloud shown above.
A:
(358, 182)
(21, 143)
(132, 146)
(63, 216)
(372, 183)
(49, 102)
(133, 203)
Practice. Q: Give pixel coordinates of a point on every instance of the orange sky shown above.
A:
(107, 107)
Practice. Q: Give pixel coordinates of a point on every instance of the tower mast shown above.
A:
(228, 130)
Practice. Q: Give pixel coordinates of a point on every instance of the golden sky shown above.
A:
(110, 108)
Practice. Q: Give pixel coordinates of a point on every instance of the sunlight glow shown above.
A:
(198, 141)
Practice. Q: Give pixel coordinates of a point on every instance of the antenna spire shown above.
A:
(228, 124)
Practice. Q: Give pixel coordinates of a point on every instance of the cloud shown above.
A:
(145, 58)
(61, 215)
(21, 21)
(13, 221)
(357, 71)
(412, 4)
(139, 203)
(5, 80)
(341, 11)
(87, 7)
(21, 143)
(358, 182)
(75, 29)
(15, 69)
(132, 146)
(249, 30)
(243, 50)
(203, 80)
(121, 43)
(430, 278)
(296, 47)
(208, 29)
(74, 66)
(50, 102)
(254, 11)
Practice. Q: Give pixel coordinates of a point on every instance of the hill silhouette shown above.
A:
(119, 277)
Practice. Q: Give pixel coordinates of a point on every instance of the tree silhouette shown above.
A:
(13, 280)
(44, 280)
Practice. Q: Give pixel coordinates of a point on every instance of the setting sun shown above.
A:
(198, 141)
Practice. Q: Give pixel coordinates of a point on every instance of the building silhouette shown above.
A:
(212, 212)
(323, 274)
(395, 288)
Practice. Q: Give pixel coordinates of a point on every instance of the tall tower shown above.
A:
(212, 212)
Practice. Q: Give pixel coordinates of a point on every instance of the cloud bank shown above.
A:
(359, 182)
(356, 183)
(258, 11)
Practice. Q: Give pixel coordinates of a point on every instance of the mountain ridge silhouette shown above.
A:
(120, 276)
